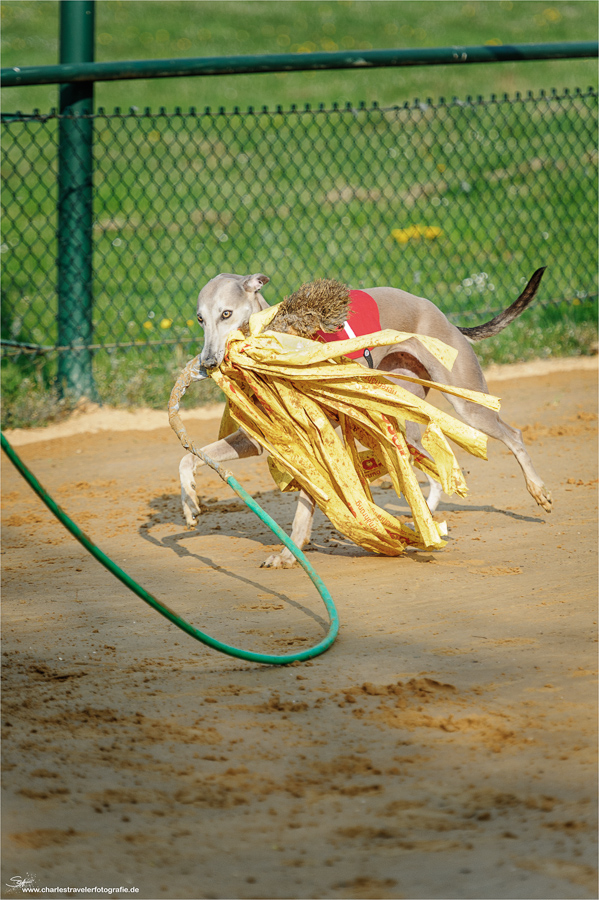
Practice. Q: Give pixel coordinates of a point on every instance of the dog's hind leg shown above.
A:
(488, 421)
(400, 363)
(435, 490)
(434, 494)
(300, 533)
(236, 446)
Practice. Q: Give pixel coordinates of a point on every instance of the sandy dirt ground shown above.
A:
(443, 748)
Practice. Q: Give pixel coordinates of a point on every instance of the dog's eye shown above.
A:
(200, 320)
(227, 314)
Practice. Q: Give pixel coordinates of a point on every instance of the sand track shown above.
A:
(445, 746)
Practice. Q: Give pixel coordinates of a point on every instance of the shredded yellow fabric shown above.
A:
(289, 393)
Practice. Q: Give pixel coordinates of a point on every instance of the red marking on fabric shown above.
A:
(418, 456)
(369, 464)
(394, 436)
(363, 319)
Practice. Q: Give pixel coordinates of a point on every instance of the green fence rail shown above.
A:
(293, 62)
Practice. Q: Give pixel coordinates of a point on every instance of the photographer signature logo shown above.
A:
(19, 882)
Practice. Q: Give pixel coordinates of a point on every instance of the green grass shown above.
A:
(506, 186)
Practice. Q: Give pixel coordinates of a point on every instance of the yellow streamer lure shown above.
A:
(290, 393)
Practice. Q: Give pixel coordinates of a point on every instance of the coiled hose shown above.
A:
(162, 608)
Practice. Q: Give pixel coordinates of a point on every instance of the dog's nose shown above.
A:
(209, 361)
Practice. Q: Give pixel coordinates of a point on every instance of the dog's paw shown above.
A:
(191, 519)
(279, 561)
(190, 503)
(542, 496)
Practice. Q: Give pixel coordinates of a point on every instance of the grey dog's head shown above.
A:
(225, 304)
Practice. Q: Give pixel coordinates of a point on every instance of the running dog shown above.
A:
(226, 304)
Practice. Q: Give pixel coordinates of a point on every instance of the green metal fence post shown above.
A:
(75, 185)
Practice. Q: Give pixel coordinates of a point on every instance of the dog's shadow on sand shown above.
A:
(400, 507)
(231, 517)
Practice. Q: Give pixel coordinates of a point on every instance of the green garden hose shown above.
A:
(164, 610)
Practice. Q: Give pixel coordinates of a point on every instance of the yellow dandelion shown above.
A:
(403, 235)
(148, 325)
(415, 232)
(166, 323)
(190, 323)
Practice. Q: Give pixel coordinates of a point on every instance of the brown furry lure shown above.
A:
(322, 305)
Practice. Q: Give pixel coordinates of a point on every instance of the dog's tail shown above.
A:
(480, 332)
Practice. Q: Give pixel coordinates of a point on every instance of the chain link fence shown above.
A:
(457, 201)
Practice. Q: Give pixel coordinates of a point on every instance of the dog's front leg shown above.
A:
(300, 533)
(236, 446)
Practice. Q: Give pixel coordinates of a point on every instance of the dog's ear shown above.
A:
(254, 283)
